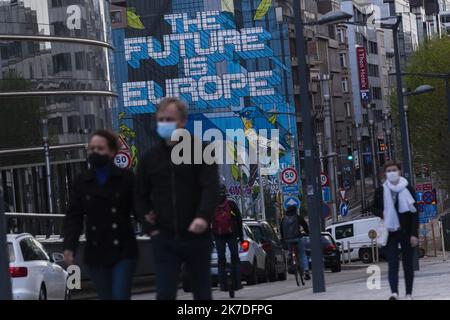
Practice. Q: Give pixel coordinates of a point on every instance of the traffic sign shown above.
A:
(122, 160)
(326, 194)
(343, 209)
(323, 179)
(291, 201)
(428, 197)
(342, 192)
(290, 189)
(372, 234)
(289, 176)
(123, 144)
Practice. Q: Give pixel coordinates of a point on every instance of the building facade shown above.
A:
(55, 65)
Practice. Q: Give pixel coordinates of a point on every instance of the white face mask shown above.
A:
(393, 176)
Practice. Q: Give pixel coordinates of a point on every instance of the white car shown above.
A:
(34, 275)
(252, 257)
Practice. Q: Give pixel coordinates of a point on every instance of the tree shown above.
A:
(428, 117)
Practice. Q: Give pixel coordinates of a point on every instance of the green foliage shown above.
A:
(428, 115)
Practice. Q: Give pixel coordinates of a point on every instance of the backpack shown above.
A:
(223, 220)
(290, 227)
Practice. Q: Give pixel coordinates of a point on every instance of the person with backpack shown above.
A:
(227, 230)
(290, 233)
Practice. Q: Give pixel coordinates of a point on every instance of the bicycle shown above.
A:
(229, 283)
(296, 265)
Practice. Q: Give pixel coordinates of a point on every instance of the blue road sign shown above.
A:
(289, 189)
(326, 194)
(343, 209)
(291, 201)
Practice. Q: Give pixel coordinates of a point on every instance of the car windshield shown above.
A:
(257, 232)
(12, 256)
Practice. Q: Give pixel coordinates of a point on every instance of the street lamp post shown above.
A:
(48, 172)
(372, 146)
(362, 177)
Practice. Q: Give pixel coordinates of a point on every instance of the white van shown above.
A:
(357, 233)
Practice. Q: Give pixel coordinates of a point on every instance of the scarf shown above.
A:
(405, 203)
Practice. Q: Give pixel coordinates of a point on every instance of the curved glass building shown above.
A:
(56, 74)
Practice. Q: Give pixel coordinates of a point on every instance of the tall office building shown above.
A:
(55, 64)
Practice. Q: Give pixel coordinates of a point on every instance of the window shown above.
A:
(341, 35)
(343, 60)
(32, 250)
(344, 231)
(62, 62)
(80, 60)
(373, 70)
(257, 231)
(11, 254)
(373, 47)
(348, 109)
(376, 93)
(55, 125)
(89, 121)
(73, 124)
(344, 83)
(116, 17)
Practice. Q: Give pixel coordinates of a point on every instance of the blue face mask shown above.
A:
(165, 129)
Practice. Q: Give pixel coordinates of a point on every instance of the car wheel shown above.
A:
(42, 293)
(253, 276)
(265, 274)
(365, 255)
(336, 267)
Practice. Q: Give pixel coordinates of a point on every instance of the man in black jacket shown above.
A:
(178, 202)
(290, 233)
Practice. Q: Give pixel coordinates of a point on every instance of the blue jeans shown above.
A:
(300, 242)
(233, 246)
(168, 255)
(113, 283)
(392, 255)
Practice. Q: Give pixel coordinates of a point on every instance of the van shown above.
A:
(357, 233)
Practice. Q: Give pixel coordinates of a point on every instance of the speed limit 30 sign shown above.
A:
(122, 160)
(289, 176)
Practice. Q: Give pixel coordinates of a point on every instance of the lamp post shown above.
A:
(373, 150)
(312, 174)
(361, 169)
(48, 172)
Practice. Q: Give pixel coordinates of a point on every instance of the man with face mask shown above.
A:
(394, 202)
(178, 201)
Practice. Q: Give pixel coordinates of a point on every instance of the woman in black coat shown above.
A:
(394, 202)
(102, 199)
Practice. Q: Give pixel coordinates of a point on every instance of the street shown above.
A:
(431, 282)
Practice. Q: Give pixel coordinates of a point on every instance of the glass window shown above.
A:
(116, 17)
(343, 60)
(326, 240)
(257, 231)
(74, 124)
(344, 84)
(32, 250)
(270, 232)
(348, 109)
(11, 254)
(344, 231)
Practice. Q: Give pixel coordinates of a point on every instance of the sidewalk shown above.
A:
(431, 282)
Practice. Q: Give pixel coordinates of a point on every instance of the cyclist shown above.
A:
(290, 232)
(227, 230)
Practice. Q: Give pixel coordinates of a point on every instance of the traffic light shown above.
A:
(381, 146)
(349, 154)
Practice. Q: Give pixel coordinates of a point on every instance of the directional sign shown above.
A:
(428, 197)
(326, 194)
(323, 179)
(343, 209)
(289, 176)
(291, 201)
(290, 189)
(122, 160)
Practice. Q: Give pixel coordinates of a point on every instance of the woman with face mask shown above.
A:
(394, 202)
(102, 200)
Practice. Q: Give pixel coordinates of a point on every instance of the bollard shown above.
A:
(442, 239)
(349, 255)
(5, 281)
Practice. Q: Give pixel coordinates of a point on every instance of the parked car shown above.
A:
(331, 252)
(357, 233)
(252, 256)
(271, 243)
(34, 274)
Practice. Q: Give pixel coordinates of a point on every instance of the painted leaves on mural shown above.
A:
(262, 9)
(133, 20)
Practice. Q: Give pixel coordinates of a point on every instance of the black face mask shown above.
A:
(98, 160)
